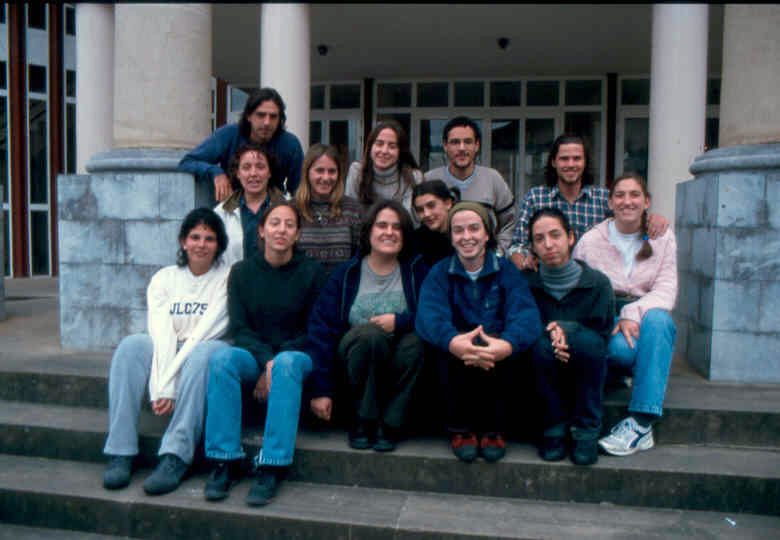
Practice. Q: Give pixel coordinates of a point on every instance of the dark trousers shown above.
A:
(475, 398)
(381, 371)
(571, 393)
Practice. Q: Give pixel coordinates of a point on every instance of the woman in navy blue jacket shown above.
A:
(477, 310)
(365, 316)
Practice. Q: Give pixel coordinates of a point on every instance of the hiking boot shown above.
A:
(552, 448)
(118, 471)
(268, 480)
(465, 446)
(167, 476)
(492, 447)
(223, 477)
(627, 437)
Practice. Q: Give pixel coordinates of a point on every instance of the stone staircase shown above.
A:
(715, 473)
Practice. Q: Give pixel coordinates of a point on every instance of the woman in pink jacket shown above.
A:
(643, 273)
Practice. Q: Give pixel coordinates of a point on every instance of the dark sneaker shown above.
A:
(386, 438)
(465, 446)
(492, 447)
(167, 476)
(118, 471)
(268, 480)
(552, 448)
(585, 452)
(360, 437)
(224, 476)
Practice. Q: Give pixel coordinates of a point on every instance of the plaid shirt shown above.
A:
(590, 207)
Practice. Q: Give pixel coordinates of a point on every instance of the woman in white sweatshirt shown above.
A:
(187, 315)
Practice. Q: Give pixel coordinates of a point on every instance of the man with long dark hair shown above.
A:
(569, 187)
(262, 122)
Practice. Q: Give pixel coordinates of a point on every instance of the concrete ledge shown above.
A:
(754, 156)
(135, 160)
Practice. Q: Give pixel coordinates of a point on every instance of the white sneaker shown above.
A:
(627, 437)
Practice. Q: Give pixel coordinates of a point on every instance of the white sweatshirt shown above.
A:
(182, 308)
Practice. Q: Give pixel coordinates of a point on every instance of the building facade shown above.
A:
(510, 67)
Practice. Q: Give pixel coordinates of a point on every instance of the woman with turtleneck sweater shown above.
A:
(388, 169)
(577, 306)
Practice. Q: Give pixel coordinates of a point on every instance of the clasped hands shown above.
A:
(484, 353)
(322, 407)
(558, 341)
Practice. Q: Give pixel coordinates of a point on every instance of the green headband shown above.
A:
(488, 220)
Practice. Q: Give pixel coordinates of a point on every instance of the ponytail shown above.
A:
(646, 250)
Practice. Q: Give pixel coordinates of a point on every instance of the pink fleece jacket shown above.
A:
(653, 280)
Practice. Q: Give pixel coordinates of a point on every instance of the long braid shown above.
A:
(646, 250)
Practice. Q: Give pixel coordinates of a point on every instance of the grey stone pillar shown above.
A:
(728, 234)
(2, 272)
(119, 224)
(728, 217)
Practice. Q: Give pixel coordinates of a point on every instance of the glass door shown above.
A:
(342, 129)
(633, 142)
(519, 149)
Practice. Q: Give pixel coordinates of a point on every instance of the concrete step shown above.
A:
(21, 532)
(68, 495)
(693, 477)
(696, 411)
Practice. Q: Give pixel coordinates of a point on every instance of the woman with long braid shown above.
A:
(643, 273)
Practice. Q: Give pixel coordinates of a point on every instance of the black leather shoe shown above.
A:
(552, 448)
(585, 452)
(386, 439)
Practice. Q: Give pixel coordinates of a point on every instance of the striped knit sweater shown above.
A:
(328, 239)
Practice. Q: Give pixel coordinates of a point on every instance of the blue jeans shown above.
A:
(129, 375)
(232, 369)
(648, 361)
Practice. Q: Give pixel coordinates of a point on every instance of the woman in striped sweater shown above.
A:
(331, 220)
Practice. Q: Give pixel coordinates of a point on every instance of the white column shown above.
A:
(95, 81)
(285, 61)
(162, 77)
(678, 95)
(749, 107)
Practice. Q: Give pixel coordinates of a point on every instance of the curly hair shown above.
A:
(275, 181)
(201, 216)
